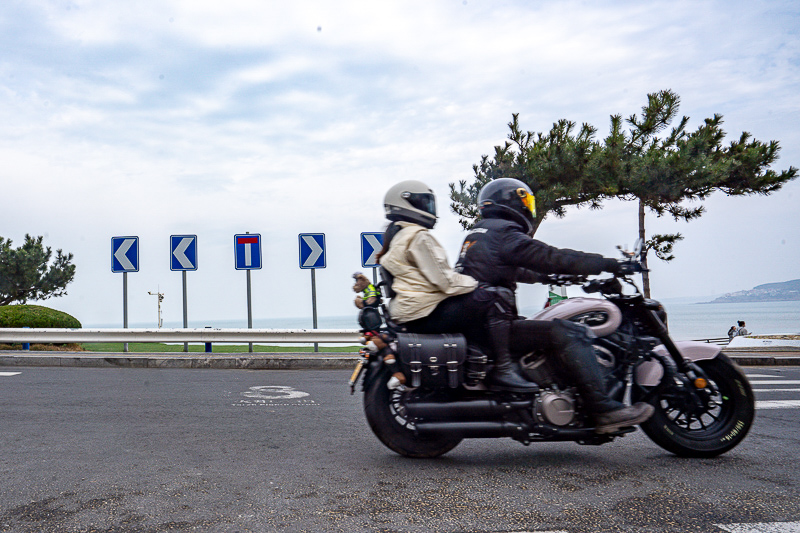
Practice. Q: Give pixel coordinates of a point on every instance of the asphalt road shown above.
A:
(150, 450)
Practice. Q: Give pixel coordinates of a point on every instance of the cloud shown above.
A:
(158, 118)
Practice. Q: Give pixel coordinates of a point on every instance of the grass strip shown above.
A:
(157, 347)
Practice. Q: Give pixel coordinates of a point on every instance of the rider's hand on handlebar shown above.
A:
(626, 267)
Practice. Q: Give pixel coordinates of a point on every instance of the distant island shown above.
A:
(769, 292)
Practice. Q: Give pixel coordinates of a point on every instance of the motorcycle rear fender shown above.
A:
(649, 373)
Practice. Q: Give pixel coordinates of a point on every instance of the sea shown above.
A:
(688, 319)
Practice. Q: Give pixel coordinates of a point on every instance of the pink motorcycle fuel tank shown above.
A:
(601, 316)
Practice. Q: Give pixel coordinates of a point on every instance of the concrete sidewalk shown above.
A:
(284, 360)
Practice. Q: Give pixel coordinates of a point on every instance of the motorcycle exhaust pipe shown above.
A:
(469, 410)
(467, 430)
(488, 429)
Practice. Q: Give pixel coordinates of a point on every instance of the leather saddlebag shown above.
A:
(432, 361)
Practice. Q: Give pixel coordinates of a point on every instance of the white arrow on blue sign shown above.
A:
(312, 250)
(247, 251)
(124, 254)
(371, 244)
(183, 252)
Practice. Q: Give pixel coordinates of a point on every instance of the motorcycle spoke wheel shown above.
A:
(729, 410)
(386, 414)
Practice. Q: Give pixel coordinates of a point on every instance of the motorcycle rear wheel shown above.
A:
(385, 412)
(722, 426)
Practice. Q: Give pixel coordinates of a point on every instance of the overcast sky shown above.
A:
(157, 118)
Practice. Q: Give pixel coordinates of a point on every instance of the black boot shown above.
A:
(505, 375)
(576, 354)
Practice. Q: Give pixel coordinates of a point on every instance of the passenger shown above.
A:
(500, 252)
(430, 296)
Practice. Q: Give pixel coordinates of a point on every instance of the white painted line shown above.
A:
(779, 404)
(750, 376)
(762, 527)
(776, 390)
(9, 373)
(777, 382)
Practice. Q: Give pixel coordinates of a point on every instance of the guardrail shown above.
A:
(205, 335)
(722, 341)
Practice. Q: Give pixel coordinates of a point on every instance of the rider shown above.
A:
(500, 251)
(430, 296)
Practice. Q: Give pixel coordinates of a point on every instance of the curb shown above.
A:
(255, 361)
(282, 361)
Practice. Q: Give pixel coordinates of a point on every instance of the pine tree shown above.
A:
(567, 168)
(25, 272)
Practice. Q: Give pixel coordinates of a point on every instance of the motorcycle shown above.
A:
(424, 394)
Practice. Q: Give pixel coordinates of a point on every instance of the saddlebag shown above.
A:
(432, 361)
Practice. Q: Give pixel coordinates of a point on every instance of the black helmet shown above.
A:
(412, 201)
(510, 199)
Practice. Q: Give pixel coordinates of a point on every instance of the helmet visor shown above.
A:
(422, 201)
(528, 200)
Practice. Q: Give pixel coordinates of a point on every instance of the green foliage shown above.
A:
(566, 167)
(35, 316)
(26, 272)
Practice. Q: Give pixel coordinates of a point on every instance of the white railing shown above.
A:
(58, 335)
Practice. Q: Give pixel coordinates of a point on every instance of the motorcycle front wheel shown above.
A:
(723, 424)
(386, 415)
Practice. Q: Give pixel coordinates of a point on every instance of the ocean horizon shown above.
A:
(688, 319)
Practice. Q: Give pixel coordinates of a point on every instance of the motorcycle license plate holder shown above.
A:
(432, 361)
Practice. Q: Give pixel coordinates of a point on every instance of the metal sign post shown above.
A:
(183, 257)
(312, 256)
(247, 256)
(125, 307)
(124, 258)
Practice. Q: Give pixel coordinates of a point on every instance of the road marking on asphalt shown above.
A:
(762, 527)
(10, 373)
(778, 404)
(274, 395)
(777, 382)
(749, 376)
(776, 390)
(274, 392)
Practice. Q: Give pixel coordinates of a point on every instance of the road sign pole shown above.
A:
(375, 276)
(185, 312)
(125, 306)
(249, 311)
(314, 303)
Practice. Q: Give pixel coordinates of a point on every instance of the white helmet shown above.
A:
(411, 201)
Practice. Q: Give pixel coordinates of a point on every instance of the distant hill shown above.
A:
(769, 292)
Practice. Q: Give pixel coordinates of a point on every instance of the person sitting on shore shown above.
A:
(741, 330)
(731, 333)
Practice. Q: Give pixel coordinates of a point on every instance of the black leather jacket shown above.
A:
(499, 253)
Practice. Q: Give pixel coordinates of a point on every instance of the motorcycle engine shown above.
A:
(555, 407)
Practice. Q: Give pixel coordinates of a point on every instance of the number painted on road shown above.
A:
(274, 392)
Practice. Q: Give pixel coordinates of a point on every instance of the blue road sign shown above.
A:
(124, 254)
(371, 244)
(312, 250)
(247, 251)
(183, 252)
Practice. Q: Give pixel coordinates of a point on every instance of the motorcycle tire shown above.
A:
(385, 414)
(720, 428)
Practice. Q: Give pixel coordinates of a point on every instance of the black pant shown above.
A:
(465, 314)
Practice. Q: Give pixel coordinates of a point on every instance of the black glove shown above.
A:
(626, 267)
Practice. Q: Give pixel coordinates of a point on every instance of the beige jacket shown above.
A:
(422, 275)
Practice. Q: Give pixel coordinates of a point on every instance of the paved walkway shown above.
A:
(283, 361)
